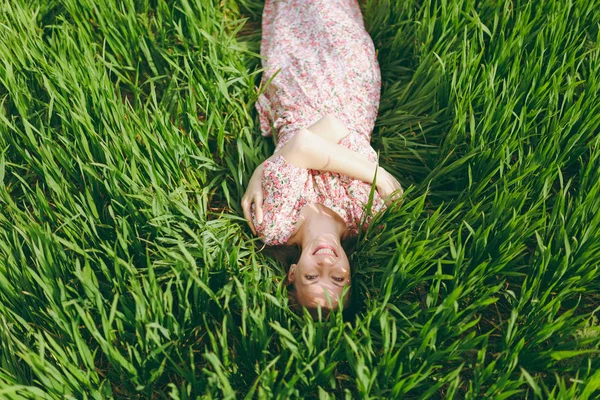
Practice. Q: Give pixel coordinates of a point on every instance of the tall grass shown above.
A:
(128, 133)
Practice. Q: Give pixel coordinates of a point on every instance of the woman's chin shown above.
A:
(327, 238)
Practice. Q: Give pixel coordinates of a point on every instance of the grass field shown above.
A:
(128, 133)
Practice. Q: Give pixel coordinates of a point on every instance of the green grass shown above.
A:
(128, 133)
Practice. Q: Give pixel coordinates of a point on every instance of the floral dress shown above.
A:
(320, 60)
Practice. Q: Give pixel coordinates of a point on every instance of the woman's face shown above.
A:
(321, 273)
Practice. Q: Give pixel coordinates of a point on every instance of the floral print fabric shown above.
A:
(321, 61)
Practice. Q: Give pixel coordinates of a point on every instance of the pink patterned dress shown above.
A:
(321, 61)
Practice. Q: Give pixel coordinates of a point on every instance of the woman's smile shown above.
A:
(325, 249)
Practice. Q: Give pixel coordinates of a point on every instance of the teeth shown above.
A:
(325, 250)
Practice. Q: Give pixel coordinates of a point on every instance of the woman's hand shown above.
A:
(388, 187)
(254, 195)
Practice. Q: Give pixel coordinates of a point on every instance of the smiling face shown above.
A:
(321, 273)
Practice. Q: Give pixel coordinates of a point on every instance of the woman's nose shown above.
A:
(325, 261)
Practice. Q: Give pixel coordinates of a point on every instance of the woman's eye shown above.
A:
(338, 279)
(311, 277)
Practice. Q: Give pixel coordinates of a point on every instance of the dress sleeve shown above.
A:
(284, 186)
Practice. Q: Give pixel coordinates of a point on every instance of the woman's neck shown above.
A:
(317, 220)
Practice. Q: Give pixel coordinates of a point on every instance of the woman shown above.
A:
(321, 99)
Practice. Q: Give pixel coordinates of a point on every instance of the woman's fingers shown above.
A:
(397, 194)
(391, 189)
(254, 195)
(397, 191)
(246, 204)
(398, 187)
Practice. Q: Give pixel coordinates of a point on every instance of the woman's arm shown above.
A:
(321, 152)
(310, 150)
(329, 127)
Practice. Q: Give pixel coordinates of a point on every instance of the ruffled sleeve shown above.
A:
(285, 187)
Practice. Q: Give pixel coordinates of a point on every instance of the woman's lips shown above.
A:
(325, 249)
